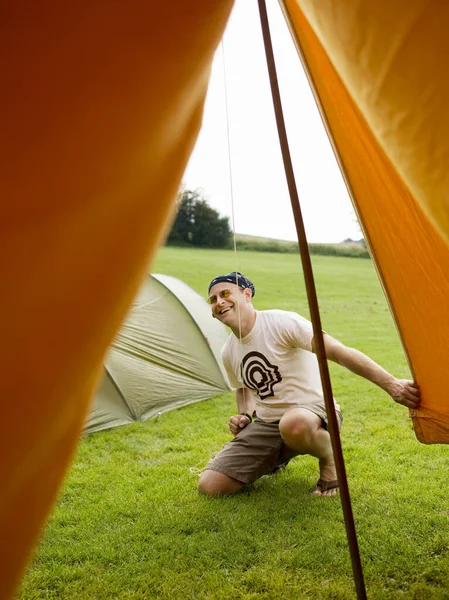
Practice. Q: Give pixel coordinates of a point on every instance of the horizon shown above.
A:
(345, 241)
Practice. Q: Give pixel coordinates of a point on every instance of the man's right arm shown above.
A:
(402, 391)
(245, 404)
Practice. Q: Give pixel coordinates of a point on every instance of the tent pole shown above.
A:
(314, 309)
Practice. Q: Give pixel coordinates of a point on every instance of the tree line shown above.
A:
(197, 224)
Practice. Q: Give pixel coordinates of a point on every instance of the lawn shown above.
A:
(129, 523)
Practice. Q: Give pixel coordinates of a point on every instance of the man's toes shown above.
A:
(332, 492)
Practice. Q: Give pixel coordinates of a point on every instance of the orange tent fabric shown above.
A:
(101, 104)
(378, 72)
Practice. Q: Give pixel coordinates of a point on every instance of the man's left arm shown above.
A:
(403, 391)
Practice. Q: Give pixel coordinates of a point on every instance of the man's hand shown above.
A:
(237, 423)
(404, 392)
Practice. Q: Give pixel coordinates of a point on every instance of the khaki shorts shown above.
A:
(258, 449)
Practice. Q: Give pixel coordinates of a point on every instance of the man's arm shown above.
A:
(402, 391)
(245, 404)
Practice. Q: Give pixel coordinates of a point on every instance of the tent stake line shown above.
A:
(314, 309)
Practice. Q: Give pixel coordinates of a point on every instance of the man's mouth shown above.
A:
(224, 310)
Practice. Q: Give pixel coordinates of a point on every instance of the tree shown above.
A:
(197, 224)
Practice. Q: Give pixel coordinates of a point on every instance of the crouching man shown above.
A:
(270, 360)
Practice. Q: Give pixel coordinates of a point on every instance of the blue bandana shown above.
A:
(237, 278)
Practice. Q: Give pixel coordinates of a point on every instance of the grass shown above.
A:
(129, 523)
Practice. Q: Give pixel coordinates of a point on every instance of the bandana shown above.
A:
(234, 277)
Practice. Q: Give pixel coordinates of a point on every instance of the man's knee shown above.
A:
(214, 483)
(299, 426)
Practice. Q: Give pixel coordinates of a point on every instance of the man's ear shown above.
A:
(248, 294)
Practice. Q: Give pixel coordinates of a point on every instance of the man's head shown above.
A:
(230, 298)
(235, 277)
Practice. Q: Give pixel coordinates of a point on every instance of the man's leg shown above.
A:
(214, 483)
(254, 452)
(302, 431)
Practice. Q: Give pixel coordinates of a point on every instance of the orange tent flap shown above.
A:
(101, 104)
(392, 57)
(411, 256)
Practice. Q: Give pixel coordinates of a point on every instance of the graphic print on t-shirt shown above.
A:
(259, 374)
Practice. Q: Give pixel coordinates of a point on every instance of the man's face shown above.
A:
(228, 301)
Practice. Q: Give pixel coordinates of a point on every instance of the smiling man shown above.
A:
(270, 361)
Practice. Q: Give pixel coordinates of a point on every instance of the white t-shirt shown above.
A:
(276, 363)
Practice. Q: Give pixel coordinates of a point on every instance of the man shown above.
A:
(269, 359)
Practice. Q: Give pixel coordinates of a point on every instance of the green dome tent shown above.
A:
(167, 354)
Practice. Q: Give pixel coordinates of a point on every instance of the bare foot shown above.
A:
(327, 484)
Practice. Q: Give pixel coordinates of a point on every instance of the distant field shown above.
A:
(260, 244)
(252, 243)
(129, 523)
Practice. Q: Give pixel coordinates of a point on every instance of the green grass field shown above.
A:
(129, 523)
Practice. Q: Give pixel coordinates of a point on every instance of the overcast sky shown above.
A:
(261, 200)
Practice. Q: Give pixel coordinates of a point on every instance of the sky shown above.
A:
(251, 185)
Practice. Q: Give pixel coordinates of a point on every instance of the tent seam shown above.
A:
(119, 391)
